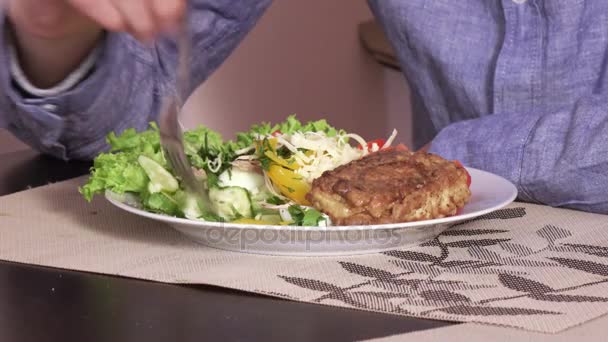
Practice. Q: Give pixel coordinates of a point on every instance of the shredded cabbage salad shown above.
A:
(261, 177)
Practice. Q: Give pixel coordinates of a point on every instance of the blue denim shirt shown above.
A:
(517, 88)
(513, 87)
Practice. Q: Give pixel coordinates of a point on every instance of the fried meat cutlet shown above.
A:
(389, 187)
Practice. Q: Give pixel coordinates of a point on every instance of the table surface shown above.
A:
(46, 304)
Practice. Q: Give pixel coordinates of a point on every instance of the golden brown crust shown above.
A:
(389, 187)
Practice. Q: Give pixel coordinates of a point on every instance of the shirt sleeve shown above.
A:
(74, 78)
(559, 159)
(125, 87)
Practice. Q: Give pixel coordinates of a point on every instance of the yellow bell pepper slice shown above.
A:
(266, 145)
(253, 221)
(289, 183)
(261, 222)
(290, 164)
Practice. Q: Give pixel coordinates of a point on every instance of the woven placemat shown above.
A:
(526, 266)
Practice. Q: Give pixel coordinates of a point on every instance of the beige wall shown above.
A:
(303, 57)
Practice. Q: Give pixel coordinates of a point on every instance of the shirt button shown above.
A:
(519, 2)
(49, 107)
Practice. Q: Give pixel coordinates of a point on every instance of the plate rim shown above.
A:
(404, 225)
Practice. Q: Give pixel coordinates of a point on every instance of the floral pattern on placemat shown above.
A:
(522, 281)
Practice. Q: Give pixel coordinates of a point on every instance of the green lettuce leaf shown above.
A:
(305, 216)
(161, 203)
(119, 173)
(118, 170)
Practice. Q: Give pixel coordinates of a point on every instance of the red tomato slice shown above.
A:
(370, 144)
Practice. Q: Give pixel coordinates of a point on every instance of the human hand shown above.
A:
(54, 36)
(54, 19)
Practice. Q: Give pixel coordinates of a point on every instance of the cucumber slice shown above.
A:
(231, 203)
(160, 179)
(257, 200)
(188, 204)
(252, 181)
(274, 219)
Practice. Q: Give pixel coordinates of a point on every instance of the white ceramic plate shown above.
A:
(489, 193)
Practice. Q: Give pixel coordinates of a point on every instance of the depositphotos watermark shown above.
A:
(248, 238)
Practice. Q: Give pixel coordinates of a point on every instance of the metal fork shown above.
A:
(171, 134)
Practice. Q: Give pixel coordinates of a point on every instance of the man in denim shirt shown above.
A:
(514, 87)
